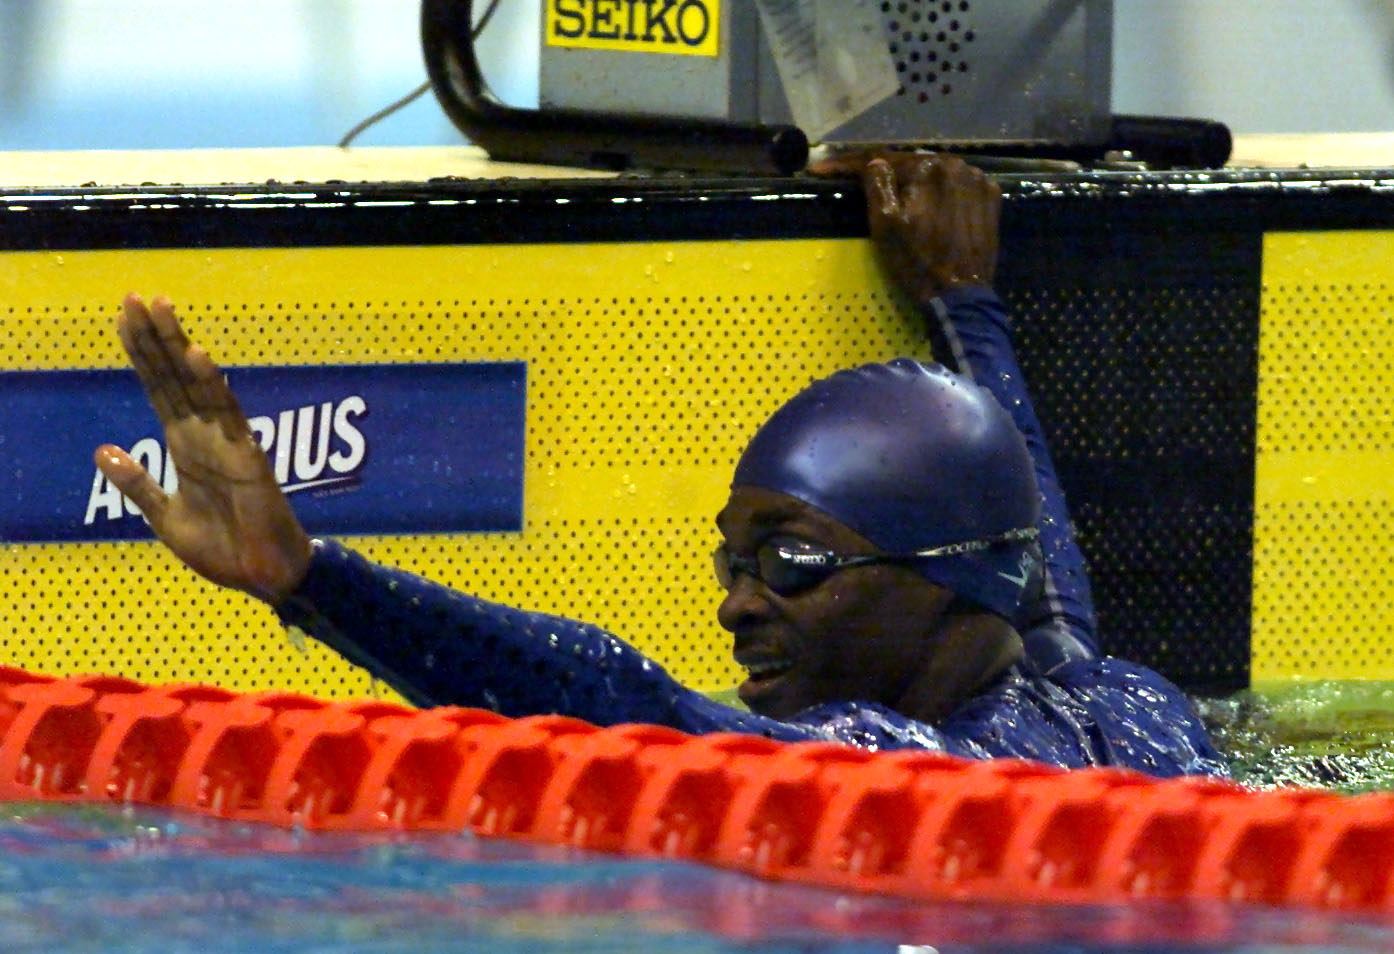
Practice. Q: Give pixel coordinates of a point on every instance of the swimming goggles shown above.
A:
(788, 565)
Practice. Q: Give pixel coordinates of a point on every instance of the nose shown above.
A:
(746, 602)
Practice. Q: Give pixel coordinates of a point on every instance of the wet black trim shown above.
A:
(465, 211)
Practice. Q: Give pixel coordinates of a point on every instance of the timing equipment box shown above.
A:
(970, 71)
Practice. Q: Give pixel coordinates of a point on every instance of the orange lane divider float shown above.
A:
(916, 824)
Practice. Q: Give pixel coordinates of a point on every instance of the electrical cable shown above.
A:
(415, 94)
(383, 113)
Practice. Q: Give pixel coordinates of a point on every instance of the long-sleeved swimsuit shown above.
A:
(1063, 703)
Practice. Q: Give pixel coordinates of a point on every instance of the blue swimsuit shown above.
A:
(1063, 703)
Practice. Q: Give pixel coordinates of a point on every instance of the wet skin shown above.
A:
(863, 634)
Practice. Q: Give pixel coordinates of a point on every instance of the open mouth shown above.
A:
(762, 677)
(769, 669)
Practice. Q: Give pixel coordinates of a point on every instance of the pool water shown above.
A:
(82, 878)
(1333, 735)
(85, 879)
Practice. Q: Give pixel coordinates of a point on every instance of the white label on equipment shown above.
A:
(832, 58)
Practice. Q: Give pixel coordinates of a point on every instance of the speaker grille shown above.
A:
(929, 40)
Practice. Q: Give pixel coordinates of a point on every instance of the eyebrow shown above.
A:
(771, 516)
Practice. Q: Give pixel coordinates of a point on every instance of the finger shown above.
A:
(134, 481)
(213, 399)
(882, 199)
(988, 229)
(949, 174)
(203, 382)
(837, 166)
(973, 202)
(133, 315)
(973, 181)
(167, 326)
(172, 342)
(151, 361)
(940, 172)
(907, 165)
(924, 194)
(847, 164)
(961, 191)
(992, 201)
(978, 199)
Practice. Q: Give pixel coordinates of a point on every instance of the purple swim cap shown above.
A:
(912, 457)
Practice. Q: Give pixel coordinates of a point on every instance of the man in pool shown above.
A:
(898, 560)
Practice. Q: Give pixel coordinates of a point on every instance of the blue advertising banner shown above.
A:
(388, 448)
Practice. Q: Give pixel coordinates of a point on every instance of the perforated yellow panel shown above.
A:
(1324, 498)
(649, 365)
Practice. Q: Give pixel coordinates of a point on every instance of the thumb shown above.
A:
(134, 481)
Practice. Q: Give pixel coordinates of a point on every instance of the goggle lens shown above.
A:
(784, 569)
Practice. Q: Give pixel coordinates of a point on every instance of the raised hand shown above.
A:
(228, 520)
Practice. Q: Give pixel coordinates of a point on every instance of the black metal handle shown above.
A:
(596, 140)
(1170, 142)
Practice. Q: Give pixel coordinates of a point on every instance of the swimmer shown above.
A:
(899, 566)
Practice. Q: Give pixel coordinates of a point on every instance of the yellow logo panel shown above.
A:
(684, 27)
(638, 403)
(1323, 599)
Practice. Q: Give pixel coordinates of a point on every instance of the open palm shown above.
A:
(228, 519)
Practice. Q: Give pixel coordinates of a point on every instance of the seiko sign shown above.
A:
(690, 27)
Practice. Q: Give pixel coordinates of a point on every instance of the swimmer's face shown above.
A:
(861, 634)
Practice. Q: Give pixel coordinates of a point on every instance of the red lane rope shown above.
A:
(914, 824)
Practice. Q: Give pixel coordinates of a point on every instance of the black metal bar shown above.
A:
(594, 140)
